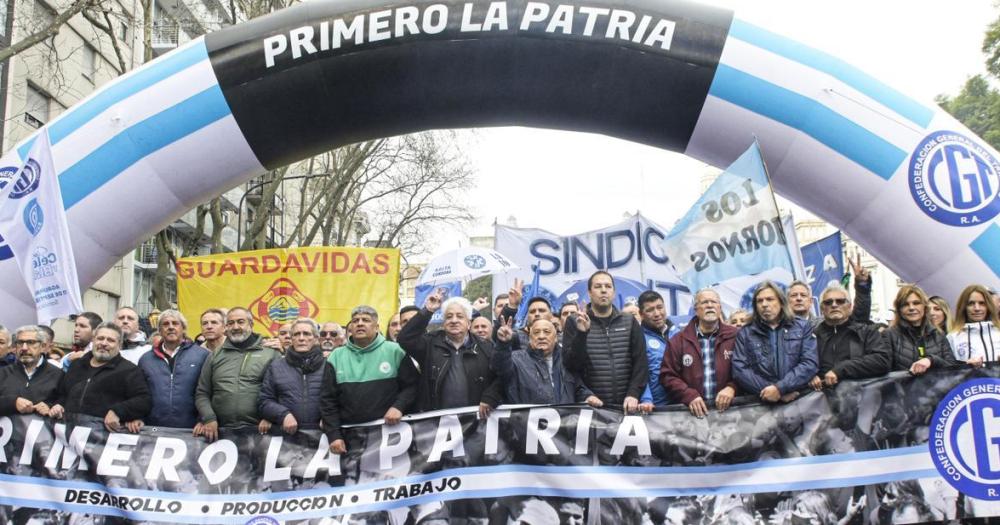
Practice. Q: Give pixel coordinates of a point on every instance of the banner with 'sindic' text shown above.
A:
(281, 285)
(888, 450)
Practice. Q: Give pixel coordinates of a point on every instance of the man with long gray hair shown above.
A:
(775, 354)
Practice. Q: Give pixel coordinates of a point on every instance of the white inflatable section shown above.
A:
(839, 143)
(133, 157)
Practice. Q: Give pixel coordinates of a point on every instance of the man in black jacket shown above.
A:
(31, 380)
(104, 384)
(454, 365)
(847, 349)
(611, 358)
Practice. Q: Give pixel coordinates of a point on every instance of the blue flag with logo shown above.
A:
(528, 293)
(452, 289)
(824, 263)
(733, 230)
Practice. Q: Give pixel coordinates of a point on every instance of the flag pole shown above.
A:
(774, 200)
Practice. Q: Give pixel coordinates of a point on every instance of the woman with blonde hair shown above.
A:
(914, 343)
(940, 313)
(975, 329)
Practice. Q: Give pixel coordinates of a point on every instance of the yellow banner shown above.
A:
(278, 286)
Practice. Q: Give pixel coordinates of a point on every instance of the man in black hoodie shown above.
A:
(103, 384)
(31, 380)
(611, 357)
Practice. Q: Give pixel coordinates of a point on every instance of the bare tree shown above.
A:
(389, 192)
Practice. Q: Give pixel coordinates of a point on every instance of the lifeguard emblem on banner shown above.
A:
(281, 303)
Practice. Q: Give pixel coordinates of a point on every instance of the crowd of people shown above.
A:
(320, 375)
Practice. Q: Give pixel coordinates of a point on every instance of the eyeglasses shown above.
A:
(838, 301)
(333, 333)
(30, 344)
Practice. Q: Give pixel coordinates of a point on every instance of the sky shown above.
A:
(921, 47)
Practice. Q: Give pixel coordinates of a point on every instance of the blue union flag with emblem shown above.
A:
(33, 226)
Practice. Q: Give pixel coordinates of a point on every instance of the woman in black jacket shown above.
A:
(914, 343)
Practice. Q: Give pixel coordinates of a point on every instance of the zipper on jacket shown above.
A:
(239, 377)
(614, 365)
(83, 394)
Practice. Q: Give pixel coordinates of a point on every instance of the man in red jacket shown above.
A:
(696, 367)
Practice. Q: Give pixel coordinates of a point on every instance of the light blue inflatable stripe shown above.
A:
(863, 82)
(987, 247)
(139, 141)
(812, 118)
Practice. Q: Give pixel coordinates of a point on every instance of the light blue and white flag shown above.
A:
(733, 230)
(33, 224)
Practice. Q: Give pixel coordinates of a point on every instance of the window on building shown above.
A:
(42, 15)
(90, 60)
(4, 5)
(123, 31)
(36, 107)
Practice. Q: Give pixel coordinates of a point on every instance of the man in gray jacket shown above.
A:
(231, 378)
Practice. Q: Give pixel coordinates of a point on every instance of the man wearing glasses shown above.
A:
(230, 380)
(331, 337)
(26, 384)
(848, 349)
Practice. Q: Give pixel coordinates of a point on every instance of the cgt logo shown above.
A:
(281, 303)
(34, 219)
(26, 184)
(965, 444)
(954, 179)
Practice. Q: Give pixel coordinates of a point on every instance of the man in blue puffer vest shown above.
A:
(172, 369)
(775, 354)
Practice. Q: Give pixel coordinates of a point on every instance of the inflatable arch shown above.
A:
(901, 177)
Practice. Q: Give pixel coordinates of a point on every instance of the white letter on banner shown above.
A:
(538, 436)
(562, 20)
(69, 449)
(632, 432)
(378, 26)
(663, 33)
(467, 25)
(449, 438)
(271, 470)
(387, 452)
(583, 432)
(493, 430)
(324, 459)
(592, 14)
(168, 453)
(106, 465)
(432, 26)
(302, 41)
(534, 12)
(274, 46)
(496, 17)
(231, 456)
(6, 431)
(30, 437)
